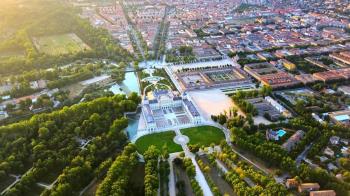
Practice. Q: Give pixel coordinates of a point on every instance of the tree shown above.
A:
(151, 172)
(3, 175)
(165, 152)
(345, 163)
(266, 90)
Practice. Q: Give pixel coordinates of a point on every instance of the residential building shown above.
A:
(323, 193)
(269, 75)
(279, 107)
(334, 140)
(292, 183)
(344, 89)
(288, 65)
(341, 117)
(307, 187)
(293, 140)
(328, 152)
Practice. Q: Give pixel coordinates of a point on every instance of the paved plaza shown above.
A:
(211, 102)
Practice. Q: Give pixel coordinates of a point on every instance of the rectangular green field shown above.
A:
(68, 43)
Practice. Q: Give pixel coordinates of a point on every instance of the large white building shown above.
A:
(165, 109)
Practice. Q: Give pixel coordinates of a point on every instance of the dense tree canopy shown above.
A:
(56, 141)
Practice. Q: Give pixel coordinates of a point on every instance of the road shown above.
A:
(137, 41)
(303, 155)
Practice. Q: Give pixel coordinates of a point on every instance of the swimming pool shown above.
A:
(281, 133)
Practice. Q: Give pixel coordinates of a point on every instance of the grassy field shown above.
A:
(204, 135)
(12, 53)
(60, 44)
(74, 90)
(158, 140)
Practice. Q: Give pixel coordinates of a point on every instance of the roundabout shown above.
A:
(181, 139)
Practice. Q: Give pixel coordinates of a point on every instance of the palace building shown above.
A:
(166, 109)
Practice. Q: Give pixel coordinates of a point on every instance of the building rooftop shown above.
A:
(191, 107)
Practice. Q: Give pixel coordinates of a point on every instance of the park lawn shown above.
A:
(60, 44)
(204, 135)
(158, 140)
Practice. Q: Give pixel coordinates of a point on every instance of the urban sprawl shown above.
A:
(245, 97)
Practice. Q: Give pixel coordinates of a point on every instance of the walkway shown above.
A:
(172, 186)
(17, 178)
(225, 170)
(302, 155)
(183, 140)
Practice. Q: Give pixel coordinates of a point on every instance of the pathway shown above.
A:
(303, 154)
(18, 178)
(183, 140)
(172, 186)
(225, 170)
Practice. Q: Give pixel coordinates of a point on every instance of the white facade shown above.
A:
(163, 109)
(278, 106)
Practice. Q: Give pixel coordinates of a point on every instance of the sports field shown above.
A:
(60, 44)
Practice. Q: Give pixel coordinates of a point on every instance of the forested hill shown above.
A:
(24, 21)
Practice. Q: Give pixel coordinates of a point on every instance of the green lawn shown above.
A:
(158, 140)
(60, 44)
(204, 135)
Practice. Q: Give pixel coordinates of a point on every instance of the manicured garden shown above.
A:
(204, 135)
(158, 140)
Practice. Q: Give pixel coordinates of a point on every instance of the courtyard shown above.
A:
(211, 102)
(166, 109)
(212, 77)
